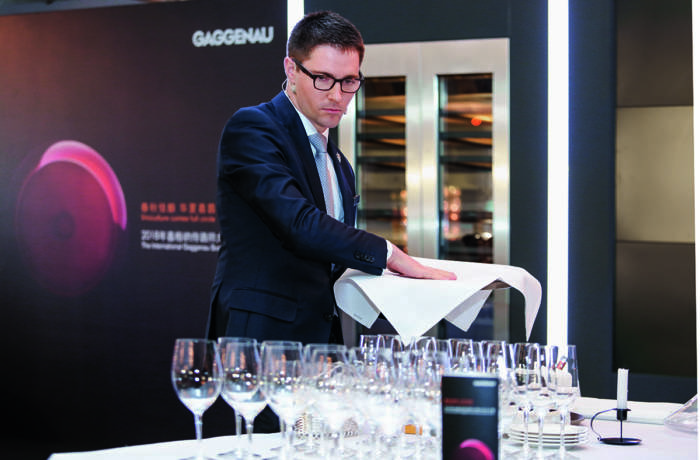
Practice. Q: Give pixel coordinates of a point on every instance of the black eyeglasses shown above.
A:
(324, 82)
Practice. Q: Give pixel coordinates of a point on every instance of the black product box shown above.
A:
(470, 417)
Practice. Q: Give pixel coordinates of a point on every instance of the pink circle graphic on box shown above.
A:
(70, 216)
(473, 449)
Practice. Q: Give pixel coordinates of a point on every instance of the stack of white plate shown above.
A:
(573, 434)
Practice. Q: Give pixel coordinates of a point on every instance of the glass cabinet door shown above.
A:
(428, 137)
(380, 158)
(465, 176)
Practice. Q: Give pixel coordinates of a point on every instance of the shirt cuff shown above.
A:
(389, 250)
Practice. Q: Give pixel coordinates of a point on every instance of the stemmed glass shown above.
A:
(445, 346)
(539, 390)
(423, 343)
(495, 356)
(331, 377)
(240, 359)
(315, 422)
(370, 341)
(429, 367)
(384, 407)
(566, 389)
(498, 362)
(282, 384)
(524, 371)
(363, 360)
(238, 451)
(467, 355)
(196, 377)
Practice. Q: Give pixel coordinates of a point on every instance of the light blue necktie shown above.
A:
(321, 156)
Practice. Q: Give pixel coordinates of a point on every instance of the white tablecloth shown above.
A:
(658, 442)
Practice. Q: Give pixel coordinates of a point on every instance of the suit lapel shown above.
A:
(300, 146)
(346, 182)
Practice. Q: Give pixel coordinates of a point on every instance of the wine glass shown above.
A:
(539, 390)
(445, 345)
(331, 377)
(363, 360)
(383, 407)
(467, 355)
(495, 356)
(240, 358)
(422, 344)
(238, 452)
(498, 362)
(286, 343)
(429, 368)
(282, 385)
(521, 377)
(196, 377)
(566, 389)
(314, 422)
(369, 341)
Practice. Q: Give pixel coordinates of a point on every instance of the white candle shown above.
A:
(622, 388)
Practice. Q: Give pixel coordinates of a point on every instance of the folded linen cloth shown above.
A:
(413, 306)
(639, 412)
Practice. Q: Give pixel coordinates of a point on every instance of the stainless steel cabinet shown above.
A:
(428, 136)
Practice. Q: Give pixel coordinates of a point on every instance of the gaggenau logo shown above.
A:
(237, 36)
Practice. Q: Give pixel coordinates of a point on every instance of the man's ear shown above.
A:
(289, 68)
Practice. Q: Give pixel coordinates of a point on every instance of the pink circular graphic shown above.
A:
(70, 216)
(473, 449)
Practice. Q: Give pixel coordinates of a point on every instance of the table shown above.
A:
(645, 421)
(658, 442)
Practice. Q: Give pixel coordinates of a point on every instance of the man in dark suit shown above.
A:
(286, 208)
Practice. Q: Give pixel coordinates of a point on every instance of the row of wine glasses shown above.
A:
(535, 378)
(544, 378)
(378, 391)
(378, 388)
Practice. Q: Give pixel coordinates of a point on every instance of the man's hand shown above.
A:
(405, 265)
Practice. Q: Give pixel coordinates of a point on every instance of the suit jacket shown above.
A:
(273, 276)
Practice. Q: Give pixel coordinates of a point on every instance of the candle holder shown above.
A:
(617, 441)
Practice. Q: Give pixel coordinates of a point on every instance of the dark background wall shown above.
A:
(655, 328)
(623, 53)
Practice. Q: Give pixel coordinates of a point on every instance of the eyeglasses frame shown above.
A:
(313, 77)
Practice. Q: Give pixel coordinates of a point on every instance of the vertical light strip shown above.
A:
(696, 165)
(295, 11)
(558, 172)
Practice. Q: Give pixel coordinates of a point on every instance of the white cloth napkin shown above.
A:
(639, 412)
(413, 306)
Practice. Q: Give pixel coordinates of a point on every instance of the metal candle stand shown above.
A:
(619, 441)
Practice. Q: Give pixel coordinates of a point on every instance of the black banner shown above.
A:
(109, 125)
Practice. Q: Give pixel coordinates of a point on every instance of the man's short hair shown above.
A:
(324, 28)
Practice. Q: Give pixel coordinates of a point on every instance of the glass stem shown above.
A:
(284, 450)
(238, 431)
(562, 427)
(289, 441)
(198, 435)
(198, 427)
(337, 445)
(249, 433)
(283, 432)
(310, 432)
(376, 442)
(526, 423)
(540, 429)
(419, 439)
(322, 448)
